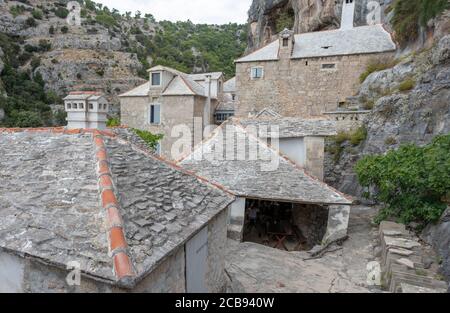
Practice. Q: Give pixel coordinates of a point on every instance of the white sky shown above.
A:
(198, 11)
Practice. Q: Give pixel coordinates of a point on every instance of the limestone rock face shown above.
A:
(414, 116)
(439, 236)
(307, 16)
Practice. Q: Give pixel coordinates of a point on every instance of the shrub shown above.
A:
(37, 14)
(106, 20)
(26, 119)
(407, 84)
(113, 122)
(17, 10)
(150, 139)
(377, 65)
(31, 22)
(44, 45)
(64, 29)
(358, 136)
(61, 12)
(410, 181)
(51, 30)
(409, 15)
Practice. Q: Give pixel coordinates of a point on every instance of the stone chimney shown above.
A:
(287, 40)
(86, 110)
(348, 14)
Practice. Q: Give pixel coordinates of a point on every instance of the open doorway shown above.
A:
(283, 225)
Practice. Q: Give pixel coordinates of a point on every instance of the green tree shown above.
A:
(410, 181)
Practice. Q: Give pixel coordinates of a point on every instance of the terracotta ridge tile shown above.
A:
(118, 247)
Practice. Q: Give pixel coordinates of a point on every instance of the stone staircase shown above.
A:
(407, 265)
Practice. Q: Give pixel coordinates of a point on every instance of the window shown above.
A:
(257, 72)
(233, 97)
(81, 105)
(75, 106)
(285, 42)
(156, 79)
(328, 66)
(155, 114)
(158, 148)
(91, 106)
(104, 106)
(69, 106)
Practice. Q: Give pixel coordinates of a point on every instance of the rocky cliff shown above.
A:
(84, 45)
(268, 17)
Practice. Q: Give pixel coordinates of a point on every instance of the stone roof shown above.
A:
(230, 85)
(267, 175)
(81, 196)
(290, 127)
(202, 76)
(357, 40)
(182, 84)
(84, 95)
(140, 91)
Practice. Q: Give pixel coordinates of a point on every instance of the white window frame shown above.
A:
(257, 68)
(150, 113)
(160, 79)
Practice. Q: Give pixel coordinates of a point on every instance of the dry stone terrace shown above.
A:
(52, 209)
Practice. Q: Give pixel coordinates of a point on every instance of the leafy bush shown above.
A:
(106, 20)
(37, 14)
(150, 139)
(358, 136)
(113, 122)
(377, 65)
(17, 10)
(410, 181)
(64, 29)
(407, 84)
(61, 12)
(409, 15)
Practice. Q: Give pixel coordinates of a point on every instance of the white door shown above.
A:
(196, 257)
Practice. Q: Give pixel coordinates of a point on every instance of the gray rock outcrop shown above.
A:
(414, 116)
(439, 237)
(307, 15)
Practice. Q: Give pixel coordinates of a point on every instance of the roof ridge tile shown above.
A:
(118, 247)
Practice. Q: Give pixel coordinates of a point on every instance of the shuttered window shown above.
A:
(155, 114)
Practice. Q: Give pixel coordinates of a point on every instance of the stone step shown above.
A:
(400, 274)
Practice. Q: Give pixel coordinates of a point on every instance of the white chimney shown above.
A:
(348, 14)
(86, 110)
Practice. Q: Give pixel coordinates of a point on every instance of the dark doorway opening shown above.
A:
(283, 225)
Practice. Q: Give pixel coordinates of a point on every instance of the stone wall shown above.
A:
(217, 244)
(175, 110)
(348, 121)
(312, 222)
(300, 87)
(22, 275)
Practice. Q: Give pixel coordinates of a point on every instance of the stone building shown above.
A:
(262, 178)
(172, 98)
(308, 74)
(226, 108)
(98, 204)
(302, 141)
(86, 110)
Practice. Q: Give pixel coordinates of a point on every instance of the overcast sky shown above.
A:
(198, 11)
